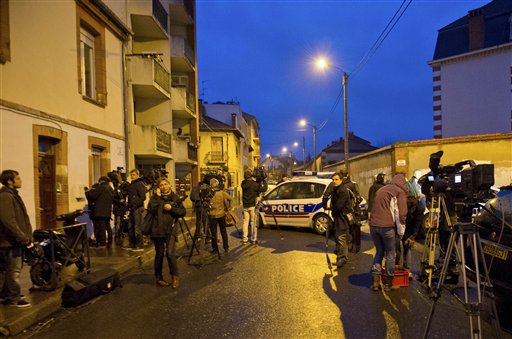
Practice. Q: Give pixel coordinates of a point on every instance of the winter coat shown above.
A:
(390, 207)
(221, 202)
(414, 219)
(15, 228)
(341, 201)
(101, 198)
(120, 204)
(136, 194)
(250, 191)
(163, 223)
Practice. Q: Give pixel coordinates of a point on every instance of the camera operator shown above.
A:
(101, 197)
(355, 226)
(388, 217)
(250, 192)
(220, 203)
(197, 197)
(120, 207)
(136, 197)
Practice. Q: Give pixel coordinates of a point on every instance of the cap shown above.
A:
(214, 182)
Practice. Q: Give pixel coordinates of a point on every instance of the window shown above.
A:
(217, 150)
(5, 43)
(92, 75)
(282, 192)
(87, 63)
(96, 163)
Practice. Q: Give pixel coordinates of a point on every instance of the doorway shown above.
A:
(47, 187)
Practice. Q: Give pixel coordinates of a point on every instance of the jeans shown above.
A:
(135, 227)
(249, 218)
(224, 234)
(165, 246)
(341, 234)
(385, 244)
(10, 269)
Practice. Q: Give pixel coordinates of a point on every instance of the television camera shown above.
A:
(260, 174)
(463, 185)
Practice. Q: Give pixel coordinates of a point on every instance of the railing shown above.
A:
(192, 152)
(161, 76)
(191, 102)
(160, 14)
(163, 141)
(189, 53)
(218, 156)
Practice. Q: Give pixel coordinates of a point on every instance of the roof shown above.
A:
(355, 145)
(208, 124)
(249, 117)
(453, 39)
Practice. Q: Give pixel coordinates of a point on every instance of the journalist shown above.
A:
(101, 199)
(221, 202)
(342, 212)
(136, 197)
(251, 189)
(165, 207)
(387, 219)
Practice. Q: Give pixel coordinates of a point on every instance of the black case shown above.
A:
(90, 285)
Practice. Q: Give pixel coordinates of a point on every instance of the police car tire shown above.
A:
(315, 221)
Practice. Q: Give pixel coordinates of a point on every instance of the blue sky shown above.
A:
(261, 54)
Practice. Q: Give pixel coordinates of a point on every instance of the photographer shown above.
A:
(120, 207)
(220, 203)
(166, 207)
(136, 197)
(250, 192)
(199, 198)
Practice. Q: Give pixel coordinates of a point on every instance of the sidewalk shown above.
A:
(44, 303)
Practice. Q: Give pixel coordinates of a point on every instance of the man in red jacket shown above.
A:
(387, 219)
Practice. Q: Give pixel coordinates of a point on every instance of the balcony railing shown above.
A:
(183, 55)
(160, 14)
(183, 103)
(217, 156)
(151, 141)
(192, 152)
(162, 77)
(150, 78)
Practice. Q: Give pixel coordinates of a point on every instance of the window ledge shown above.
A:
(94, 101)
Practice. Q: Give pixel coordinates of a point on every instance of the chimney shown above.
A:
(233, 120)
(476, 29)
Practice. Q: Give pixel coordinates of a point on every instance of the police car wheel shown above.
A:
(321, 222)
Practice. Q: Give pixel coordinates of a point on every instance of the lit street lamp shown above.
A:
(304, 123)
(322, 63)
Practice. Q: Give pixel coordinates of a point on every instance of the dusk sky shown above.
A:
(261, 54)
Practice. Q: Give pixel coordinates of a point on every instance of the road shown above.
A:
(279, 289)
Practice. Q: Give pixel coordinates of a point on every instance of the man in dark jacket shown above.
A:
(388, 214)
(101, 196)
(250, 192)
(15, 234)
(136, 197)
(413, 224)
(355, 226)
(342, 212)
(380, 182)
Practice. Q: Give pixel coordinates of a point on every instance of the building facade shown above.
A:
(472, 73)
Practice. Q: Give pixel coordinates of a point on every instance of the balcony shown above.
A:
(149, 20)
(182, 55)
(149, 78)
(151, 142)
(183, 103)
(182, 12)
(185, 152)
(216, 157)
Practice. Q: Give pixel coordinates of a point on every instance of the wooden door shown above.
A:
(47, 192)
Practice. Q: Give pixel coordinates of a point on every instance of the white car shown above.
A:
(297, 202)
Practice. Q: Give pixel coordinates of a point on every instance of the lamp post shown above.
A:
(323, 64)
(304, 123)
(304, 152)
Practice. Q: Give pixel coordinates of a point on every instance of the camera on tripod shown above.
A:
(464, 184)
(260, 175)
(151, 176)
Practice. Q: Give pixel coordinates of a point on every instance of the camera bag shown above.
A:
(89, 286)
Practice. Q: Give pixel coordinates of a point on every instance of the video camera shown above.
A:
(206, 192)
(260, 174)
(464, 184)
(151, 176)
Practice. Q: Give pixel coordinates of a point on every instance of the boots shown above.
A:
(375, 282)
(175, 281)
(388, 284)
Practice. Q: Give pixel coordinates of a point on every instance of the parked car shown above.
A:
(298, 203)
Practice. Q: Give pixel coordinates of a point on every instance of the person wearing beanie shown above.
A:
(250, 192)
(220, 203)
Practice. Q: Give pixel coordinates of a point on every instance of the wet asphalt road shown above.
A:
(279, 289)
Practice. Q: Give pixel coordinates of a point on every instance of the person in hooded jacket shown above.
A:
(387, 219)
(101, 197)
(165, 206)
(342, 211)
(379, 182)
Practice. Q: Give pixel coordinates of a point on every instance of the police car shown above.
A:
(298, 202)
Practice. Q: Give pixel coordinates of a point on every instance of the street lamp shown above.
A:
(304, 123)
(323, 63)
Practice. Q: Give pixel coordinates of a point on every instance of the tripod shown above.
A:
(182, 222)
(199, 240)
(437, 210)
(460, 232)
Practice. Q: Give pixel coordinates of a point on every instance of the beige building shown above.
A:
(62, 105)
(88, 86)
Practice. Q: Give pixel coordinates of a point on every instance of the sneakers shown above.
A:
(22, 303)
(137, 249)
(255, 242)
(162, 283)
